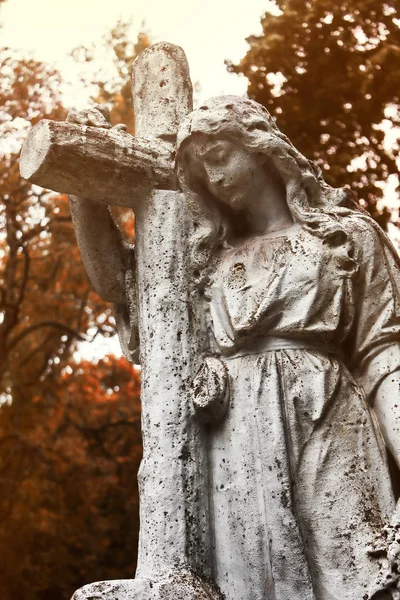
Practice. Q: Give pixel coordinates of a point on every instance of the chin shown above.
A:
(237, 202)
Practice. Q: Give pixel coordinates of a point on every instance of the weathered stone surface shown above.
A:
(210, 390)
(174, 585)
(162, 91)
(106, 164)
(174, 527)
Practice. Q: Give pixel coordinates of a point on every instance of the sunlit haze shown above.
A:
(210, 31)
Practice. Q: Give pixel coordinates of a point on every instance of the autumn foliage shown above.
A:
(329, 72)
(69, 498)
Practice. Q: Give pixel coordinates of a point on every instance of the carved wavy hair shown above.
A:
(313, 203)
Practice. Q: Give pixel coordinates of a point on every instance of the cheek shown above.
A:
(242, 175)
(237, 171)
(244, 164)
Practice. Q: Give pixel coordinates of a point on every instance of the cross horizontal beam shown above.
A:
(91, 162)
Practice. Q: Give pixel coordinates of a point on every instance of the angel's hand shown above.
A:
(386, 550)
(96, 116)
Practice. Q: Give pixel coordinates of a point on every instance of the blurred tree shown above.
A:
(118, 92)
(69, 502)
(69, 438)
(113, 86)
(329, 71)
(45, 298)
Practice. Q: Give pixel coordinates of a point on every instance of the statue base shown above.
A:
(179, 584)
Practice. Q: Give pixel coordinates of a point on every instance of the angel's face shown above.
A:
(228, 170)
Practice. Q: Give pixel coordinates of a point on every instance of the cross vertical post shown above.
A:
(173, 475)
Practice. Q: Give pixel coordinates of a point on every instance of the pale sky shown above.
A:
(208, 30)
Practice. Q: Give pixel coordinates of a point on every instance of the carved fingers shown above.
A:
(120, 127)
(210, 390)
(386, 550)
(96, 116)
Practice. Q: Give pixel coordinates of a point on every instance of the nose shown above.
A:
(214, 176)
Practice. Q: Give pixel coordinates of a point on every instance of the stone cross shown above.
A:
(174, 559)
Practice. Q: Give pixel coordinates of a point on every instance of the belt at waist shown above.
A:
(269, 344)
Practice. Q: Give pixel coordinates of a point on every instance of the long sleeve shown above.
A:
(126, 314)
(375, 337)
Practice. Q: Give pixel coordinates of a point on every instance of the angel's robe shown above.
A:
(300, 481)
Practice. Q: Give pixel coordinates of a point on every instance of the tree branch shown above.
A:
(25, 275)
(55, 324)
(38, 348)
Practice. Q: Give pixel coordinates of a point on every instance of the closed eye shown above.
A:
(217, 158)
